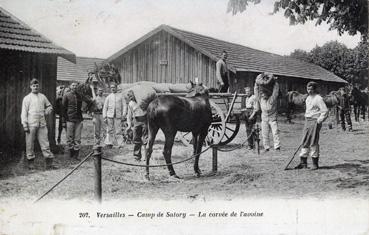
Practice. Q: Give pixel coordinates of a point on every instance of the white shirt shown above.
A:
(114, 106)
(34, 108)
(250, 102)
(316, 108)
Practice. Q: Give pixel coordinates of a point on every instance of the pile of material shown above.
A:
(265, 82)
(146, 91)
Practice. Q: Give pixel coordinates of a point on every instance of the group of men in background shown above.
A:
(108, 116)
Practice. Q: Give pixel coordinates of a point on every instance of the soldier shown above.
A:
(136, 119)
(114, 113)
(267, 102)
(315, 114)
(249, 115)
(35, 106)
(72, 113)
(222, 73)
(344, 109)
(98, 120)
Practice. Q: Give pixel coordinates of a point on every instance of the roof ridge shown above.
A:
(86, 57)
(237, 44)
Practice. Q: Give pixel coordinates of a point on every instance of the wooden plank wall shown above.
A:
(17, 69)
(165, 59)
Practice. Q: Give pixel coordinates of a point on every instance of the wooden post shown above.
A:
(97, 161)
(215, 159)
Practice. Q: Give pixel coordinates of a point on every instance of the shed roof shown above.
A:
(16, 35)
(242, 58)
(68, 71)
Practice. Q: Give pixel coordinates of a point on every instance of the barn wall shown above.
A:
(17, 69)
(165, 59)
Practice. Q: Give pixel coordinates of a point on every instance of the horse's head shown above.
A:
(197, 89)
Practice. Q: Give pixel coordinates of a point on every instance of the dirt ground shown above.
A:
(241, 173)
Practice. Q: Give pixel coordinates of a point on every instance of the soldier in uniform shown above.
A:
(344, 107)
(35, 106)
(222, 73)
(136, 119)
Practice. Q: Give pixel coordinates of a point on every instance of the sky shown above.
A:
(99, 28)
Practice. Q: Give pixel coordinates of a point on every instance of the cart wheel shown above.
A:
(215, 132)
(231, 129)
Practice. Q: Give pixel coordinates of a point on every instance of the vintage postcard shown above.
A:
(184, 117)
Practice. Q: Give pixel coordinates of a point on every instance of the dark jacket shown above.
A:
(344, 102)
(72, 104)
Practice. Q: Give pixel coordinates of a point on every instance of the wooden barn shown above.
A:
(78, 71)
(171, 55)
(24, 54)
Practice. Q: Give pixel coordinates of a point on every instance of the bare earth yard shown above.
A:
(241, 173)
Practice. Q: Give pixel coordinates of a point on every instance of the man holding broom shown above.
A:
(315, 114)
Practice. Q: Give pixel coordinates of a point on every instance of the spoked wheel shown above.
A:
(215, 132)
(231, 129)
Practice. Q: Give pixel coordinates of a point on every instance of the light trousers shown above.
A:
(266, 127)
(313, 151)
(41, 134)
(99, 129)
(114, 132)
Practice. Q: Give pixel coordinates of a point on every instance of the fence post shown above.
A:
(97, 163)
(215, 159)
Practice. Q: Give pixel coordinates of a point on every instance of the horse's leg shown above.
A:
(200, 142)
(169, 141)
(152, 131)
(356, 113)
(194, 142)
(60, 130)
(363, 111)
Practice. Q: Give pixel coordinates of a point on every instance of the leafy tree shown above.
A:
(349, 64)
(360, 57)
(301, 55)
(349, 16)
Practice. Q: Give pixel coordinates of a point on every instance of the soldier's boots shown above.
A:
(303, 163)
(315, 163)
(70, 153)
(31, 165)
(76, 154)
(50, 164)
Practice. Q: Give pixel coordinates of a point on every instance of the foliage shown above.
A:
(301, 55)
(349, 64)
(349, 16)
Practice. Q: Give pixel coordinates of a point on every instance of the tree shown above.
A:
(349, 64)
(349, 16)
(301, 55)
(360, 57)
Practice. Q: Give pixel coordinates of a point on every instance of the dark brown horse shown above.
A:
(359, 101)
(187, 114)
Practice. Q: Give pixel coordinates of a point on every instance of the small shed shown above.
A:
(24, 54)
(171, 55)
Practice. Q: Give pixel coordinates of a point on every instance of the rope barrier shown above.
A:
(160, 165)
(66, 176)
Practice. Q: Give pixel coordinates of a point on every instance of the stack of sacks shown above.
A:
(265, 82)
(144, 95)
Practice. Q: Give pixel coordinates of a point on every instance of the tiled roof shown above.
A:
(242, 58)
(16, 35)
(68, 71)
